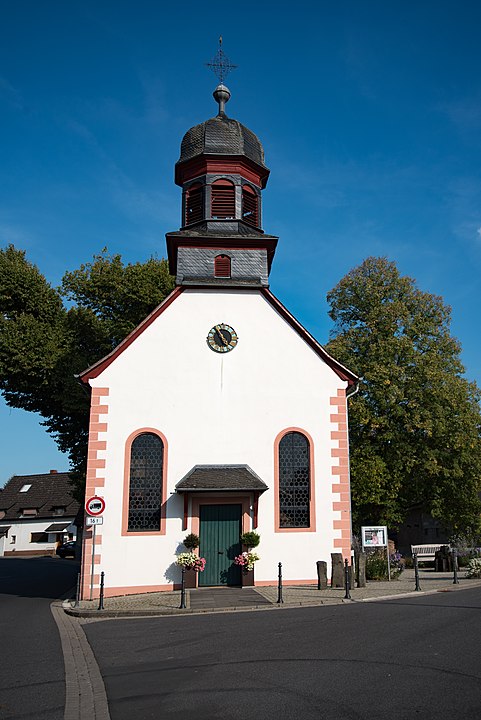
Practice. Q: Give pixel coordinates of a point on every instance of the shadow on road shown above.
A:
(37, 577)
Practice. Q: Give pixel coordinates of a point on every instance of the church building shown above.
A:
(219, 414)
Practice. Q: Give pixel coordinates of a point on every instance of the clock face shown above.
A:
(222, 338)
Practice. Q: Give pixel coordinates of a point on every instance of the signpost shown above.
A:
(374, 536)
(94, 508)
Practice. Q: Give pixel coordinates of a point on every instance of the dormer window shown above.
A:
(223, 200)
(250, 212)
(194, 204)
(222, 266)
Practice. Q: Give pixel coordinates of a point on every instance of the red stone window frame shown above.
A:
(125, 502)
(312, 503)
(223, 200)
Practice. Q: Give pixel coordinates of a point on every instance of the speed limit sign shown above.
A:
(95, 506)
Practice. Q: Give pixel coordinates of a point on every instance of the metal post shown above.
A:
(347, 584)
(280, 599)
(77, 593)
(455, 566)
(101, 599)
(182, 591)
(416, 571)
(93, 563)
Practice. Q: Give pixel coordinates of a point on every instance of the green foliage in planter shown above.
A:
(251, 539)
(376, 565)
(192, 541)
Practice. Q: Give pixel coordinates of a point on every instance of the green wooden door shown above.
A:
(220, 529)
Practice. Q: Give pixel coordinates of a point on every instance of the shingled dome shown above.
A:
(221, 136)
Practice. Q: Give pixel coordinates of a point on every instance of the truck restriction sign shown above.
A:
(95, 506)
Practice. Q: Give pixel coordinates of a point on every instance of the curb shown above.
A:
(91, 614)
(105, 614)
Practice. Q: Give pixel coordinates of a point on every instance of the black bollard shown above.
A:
(347, 584)
(182, 591)
(280, 599)
(416, 571)
(455, 566)
(101, 599)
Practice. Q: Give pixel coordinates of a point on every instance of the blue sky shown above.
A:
(370, 116)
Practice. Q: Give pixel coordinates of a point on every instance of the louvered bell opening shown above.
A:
(249, 206)
(223, 200)
(222, 266)
(193, 205)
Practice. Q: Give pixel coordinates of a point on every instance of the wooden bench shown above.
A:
(426, 552)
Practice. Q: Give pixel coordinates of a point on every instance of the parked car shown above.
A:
(67, 549)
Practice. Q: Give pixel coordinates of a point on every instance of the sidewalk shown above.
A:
(263, 598)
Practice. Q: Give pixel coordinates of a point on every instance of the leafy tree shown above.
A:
(44, 341)
(415, 425)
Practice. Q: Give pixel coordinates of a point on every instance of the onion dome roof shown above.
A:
(221, 135)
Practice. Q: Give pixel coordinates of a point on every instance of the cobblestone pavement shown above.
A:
(166, 603)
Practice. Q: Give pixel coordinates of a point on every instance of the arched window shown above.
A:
(294, 481)
(194, 201)
(250, 213)
(145, 486)
(222, 266)
(223, 200)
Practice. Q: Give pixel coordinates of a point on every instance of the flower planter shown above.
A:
(247, 577)
(190, 579)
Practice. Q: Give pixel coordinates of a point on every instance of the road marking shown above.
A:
(85, 695)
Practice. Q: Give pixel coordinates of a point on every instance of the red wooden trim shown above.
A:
(339, 369)
(256, 510)
(221, 164)
(94, 370)
(186, 511)
(222, 266)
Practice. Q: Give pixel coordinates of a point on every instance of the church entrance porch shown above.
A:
(220, 529)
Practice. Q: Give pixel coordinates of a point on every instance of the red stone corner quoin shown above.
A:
(95, 482)
(340, 473)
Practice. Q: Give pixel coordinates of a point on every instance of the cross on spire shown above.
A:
(220, 63)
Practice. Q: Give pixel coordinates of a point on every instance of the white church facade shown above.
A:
(220, 413)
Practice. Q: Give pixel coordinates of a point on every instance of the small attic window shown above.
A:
(250, 213)
(29, 512)
(222, 266)
(59, 510)
(193, 204)
(223, 200)
(25, 488)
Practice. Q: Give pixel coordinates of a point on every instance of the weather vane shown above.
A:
(220, 63)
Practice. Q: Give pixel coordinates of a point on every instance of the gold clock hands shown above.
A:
(219, 333)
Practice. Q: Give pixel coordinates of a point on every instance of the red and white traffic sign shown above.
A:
(95, 506)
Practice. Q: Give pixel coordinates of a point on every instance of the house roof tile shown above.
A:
(46, 492)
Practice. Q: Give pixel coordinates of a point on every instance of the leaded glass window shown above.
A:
(145, 489)
(294, 481)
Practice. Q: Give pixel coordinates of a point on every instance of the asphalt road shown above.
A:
(397, 659)
(32, 678)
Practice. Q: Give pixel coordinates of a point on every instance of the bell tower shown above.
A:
(222, 173)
